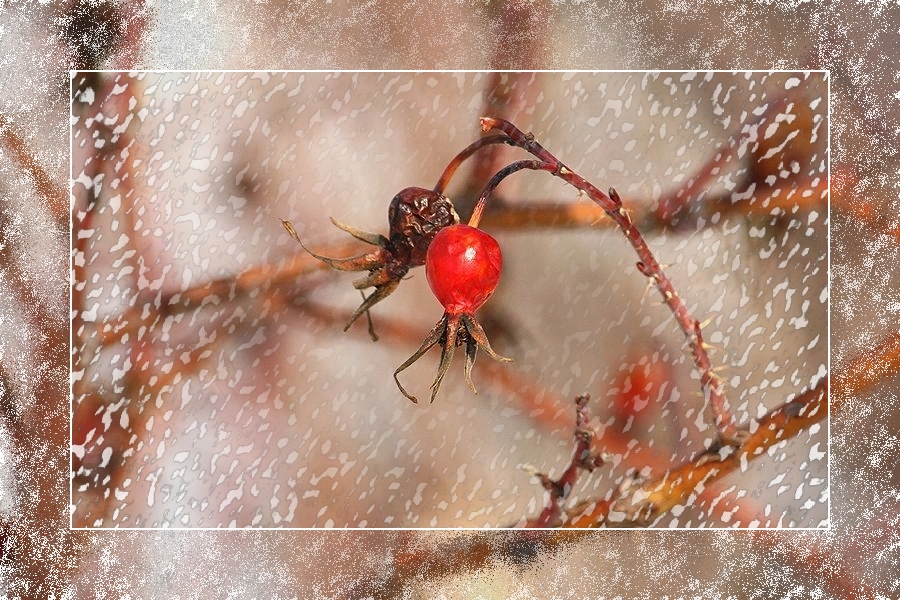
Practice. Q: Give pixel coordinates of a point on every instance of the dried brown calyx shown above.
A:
(415, 216)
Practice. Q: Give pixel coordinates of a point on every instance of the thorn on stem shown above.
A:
(614, 196)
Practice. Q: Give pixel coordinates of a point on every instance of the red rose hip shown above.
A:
(463, 266)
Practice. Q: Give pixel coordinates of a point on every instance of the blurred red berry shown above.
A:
(641, 381)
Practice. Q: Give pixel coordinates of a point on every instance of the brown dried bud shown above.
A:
(415, 216)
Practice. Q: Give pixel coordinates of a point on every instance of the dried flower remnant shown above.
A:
(414, 217)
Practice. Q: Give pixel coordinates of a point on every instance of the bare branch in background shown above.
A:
(56, 200)
(641, 503)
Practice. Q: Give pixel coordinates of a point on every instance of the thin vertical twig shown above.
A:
(583, 459)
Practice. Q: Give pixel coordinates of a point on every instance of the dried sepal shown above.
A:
(433, 338)
(451, 331)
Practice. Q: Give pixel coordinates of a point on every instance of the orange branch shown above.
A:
(502, 215)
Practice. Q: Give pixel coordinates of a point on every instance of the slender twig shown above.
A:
(55, 197)
(648, 265)
(583, 459)
(285, 272)
(505, 95)
(468, 151)
(537, 165)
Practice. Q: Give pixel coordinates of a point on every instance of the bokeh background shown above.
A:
(857, 557)
(199, 406)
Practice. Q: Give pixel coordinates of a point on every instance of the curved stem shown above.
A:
(469, 150)
(536, 165)
(727, 431)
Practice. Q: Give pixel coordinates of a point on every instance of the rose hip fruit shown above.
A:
(463, 267)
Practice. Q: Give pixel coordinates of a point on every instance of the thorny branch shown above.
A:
(648, 265)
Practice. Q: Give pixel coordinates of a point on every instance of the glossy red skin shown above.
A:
(463, 267)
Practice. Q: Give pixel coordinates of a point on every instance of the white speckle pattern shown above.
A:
(220, 403)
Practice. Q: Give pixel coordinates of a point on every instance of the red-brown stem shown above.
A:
(468, 151)
(500, 176)
(505, 95)
(648, 266)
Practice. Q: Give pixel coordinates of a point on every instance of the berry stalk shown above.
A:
(468, 151)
